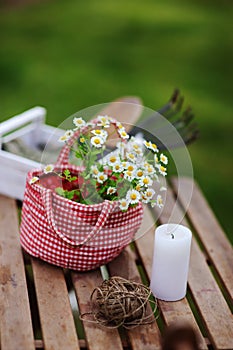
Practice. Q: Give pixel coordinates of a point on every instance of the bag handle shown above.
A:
(108, 206)
(63, 158)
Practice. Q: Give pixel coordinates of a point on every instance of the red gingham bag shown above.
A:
(70, 234)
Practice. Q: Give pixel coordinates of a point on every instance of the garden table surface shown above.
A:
(36, 298)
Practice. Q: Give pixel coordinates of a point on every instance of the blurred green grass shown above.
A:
(67, 55)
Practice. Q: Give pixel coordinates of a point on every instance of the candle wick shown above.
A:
(172, 236)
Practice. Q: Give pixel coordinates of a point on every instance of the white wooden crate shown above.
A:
(30, 128)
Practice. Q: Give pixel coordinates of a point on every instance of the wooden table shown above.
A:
(35, 297)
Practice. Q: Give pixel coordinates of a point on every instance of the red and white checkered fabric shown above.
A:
(73, 235)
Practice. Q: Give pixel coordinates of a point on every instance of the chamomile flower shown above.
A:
(156, 159)
(137, 149)
(123, 134)
(63, 138)
(151, 146)
(48, 169)
(163, 159)
(97, 141)
(119, 125)
(69, 133)
(147, 144)
(145, 181)
(130, 156)
(149, 193)
(111, 190)
(101, 177)
(101, 133)
(79, 122)
(133, 196)
(124, 204)
(162, 170)
(103, 121)
(113, 159)
(138, 188)
(124, 164)
(154, 147)
(139, 173)
(33, 180)
(163, 188)
(159, 201)
(129, 175)
(117, 167)
(150, 170)
(94, 170)
(130, 167)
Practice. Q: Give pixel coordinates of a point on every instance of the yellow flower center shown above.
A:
(123, 133)
(82, 140)
(133, 196)
(129, 173)
(154, 145)
(147, 144)
(101, 177)
(140, 173)
(98, 132)
(162, 168)
(149, 194)
(97, 141)
(138, 187)
(112, 159)
(117, 166)
(95, 171)
(130, 168)
(123, 204)
(146, 181)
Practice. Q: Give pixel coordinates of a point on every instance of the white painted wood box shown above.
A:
(27, 129)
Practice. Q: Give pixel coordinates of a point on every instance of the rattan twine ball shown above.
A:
(121, 302)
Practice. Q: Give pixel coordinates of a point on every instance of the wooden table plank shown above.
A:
(97, 338)
(15, 319)
(216, 244)
(146, 336)
(56, 317)
(206, 293)
(172, 312)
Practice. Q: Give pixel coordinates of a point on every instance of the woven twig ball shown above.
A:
(120, 302)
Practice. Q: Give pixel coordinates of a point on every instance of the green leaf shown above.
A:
(66, 172)
(60, 191)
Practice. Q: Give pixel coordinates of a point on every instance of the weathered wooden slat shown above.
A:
(205, 291)
(97, 338)
(145, 336)
(172, 312)
(216, 244)
(56, 317)
(15, 319)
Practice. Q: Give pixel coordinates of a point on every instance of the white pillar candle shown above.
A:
(170, 262)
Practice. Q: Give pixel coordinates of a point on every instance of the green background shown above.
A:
(67, 55)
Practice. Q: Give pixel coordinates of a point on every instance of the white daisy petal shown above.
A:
(111, 190)
(97, 141)
(163, 159)
(159, 201)
(79, 122)
(145, 181)
(63, 138)
(101, 177)
(33, 180)
(123, 134)
(48, 169)
(124, 204)
(133, 196)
